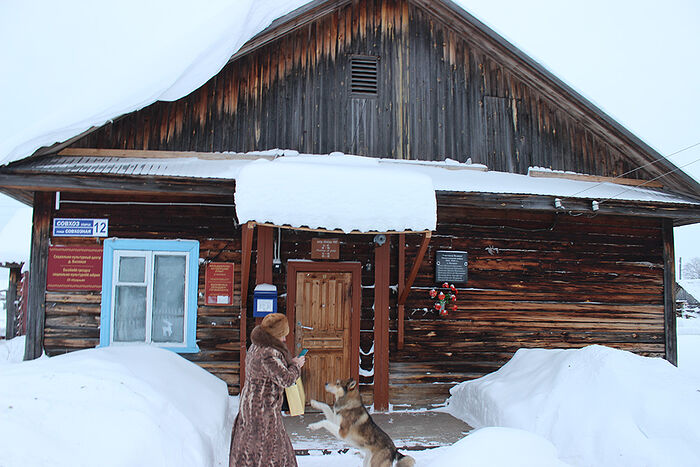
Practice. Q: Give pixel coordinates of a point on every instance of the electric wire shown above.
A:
(649, 181)
(662, 158)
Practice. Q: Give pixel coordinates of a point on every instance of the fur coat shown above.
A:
(259, 437)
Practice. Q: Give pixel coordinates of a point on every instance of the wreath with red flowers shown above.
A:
(446, 298)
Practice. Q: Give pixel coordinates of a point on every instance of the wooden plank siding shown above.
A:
(535, 280)
(73, 318)
(441, 93)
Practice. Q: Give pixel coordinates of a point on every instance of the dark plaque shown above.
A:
(325, 248)
(451, 266)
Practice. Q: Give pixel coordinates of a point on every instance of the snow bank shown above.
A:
(110, 58)
(688, 333)
(599, 406)
(335, 192)
(12, 351)
(688, 323)
(487, 447)
(499, 447)
(113, 406)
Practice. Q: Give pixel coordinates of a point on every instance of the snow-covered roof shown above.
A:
(692, 286)
(110, 58)
(335, 192)
(446, 175)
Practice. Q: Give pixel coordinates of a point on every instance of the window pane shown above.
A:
(130, 314)
(132, 269)
(168, 324)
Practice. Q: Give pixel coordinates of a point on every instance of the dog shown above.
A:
(348, 420)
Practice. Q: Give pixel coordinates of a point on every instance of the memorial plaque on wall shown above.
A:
(218, 284)
(325, 248)
(74, 268)
(451, 266)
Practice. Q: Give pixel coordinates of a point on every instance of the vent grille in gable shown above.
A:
(363, 75)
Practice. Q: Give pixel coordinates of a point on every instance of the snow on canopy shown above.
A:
(335, 192)
(74, 64)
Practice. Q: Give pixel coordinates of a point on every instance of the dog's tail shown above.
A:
(404, 461)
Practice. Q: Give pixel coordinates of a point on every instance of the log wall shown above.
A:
(73, 318)
(535, 280)
(547, 280)
(443, 92)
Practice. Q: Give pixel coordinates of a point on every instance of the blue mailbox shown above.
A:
(264, 300)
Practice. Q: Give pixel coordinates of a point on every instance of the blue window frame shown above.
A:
(149, 293)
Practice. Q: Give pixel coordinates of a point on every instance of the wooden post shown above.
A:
(263, 258)
(414, 270)
(36, 309)
(669, 293)
(402, 277)
(246, 248)
(263, 264)
(381, 327)
(11, 305)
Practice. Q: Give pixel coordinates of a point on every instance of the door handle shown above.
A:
(306, 327)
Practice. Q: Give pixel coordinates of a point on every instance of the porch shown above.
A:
(409, 430)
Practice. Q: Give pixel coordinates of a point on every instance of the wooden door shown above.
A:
(323, 307)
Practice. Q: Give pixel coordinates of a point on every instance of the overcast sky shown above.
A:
(638, 60)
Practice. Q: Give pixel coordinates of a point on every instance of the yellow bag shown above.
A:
(296, 399)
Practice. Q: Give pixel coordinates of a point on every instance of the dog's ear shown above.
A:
(352, 384)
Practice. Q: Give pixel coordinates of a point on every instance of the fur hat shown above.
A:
(275, 324)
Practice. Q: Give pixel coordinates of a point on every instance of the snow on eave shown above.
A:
(447, 175)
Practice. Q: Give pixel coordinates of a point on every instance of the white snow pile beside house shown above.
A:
(499, 447)
(486, 447)
(12, 351)
(335, 192)
(113, 406)
(110, 58)
(599, 406)
(688, 332)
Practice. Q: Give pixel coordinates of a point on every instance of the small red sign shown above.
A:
(218, 284)
(74, 268)
(325, 248)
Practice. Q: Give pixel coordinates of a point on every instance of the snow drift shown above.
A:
(113, 406)
(599, 406)
(12, 351)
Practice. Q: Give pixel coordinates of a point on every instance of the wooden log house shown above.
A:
(415, 81)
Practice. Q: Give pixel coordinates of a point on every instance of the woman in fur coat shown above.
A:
(259, 438)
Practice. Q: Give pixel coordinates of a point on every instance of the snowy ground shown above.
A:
(125, 406)
(115, 406)
(688, 333)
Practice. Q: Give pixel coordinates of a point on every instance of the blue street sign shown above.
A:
(80, 227)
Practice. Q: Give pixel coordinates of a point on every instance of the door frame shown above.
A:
(355, 268)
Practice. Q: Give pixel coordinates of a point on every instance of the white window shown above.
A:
(149, 293)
